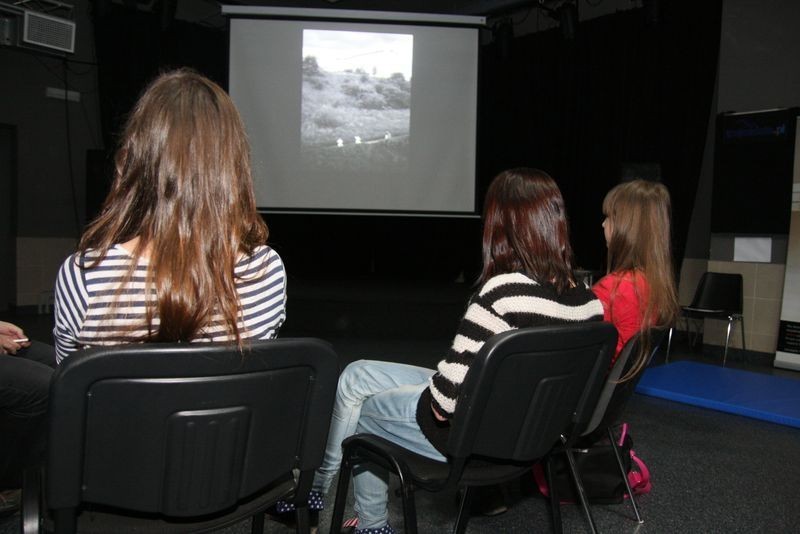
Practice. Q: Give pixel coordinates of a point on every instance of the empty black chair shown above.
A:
(718, 296)
(183, 437)
(525, 391)
(613, 399)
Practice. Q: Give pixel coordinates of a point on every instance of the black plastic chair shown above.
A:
(613, 400)
(525, 391)
(718, 296)
(182, 437)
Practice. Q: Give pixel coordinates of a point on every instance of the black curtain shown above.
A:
(624, 90)
(621, 91)
(133, 46)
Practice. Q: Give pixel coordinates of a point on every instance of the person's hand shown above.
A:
(437, 415)
(10, 338)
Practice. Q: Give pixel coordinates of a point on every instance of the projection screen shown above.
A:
(372, 112)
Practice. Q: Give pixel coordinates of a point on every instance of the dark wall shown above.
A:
(52, 135)
(758, 61)
(8, 214)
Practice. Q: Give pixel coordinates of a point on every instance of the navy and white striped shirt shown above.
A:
(90, 308)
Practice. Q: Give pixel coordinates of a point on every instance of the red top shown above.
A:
(624, 297)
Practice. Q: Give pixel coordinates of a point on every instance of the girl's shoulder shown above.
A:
(631, 282)
(507, 282)
(265, 253)
(519, 284)
(92, 258)
(630, 277)
(262, 257)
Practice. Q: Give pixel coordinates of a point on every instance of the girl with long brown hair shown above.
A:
(178, 252)
(638, 293)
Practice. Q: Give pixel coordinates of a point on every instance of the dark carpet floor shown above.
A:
(711, 471)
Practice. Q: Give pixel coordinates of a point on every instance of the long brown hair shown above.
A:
(639, 212)
(525, 228)
(182, 185)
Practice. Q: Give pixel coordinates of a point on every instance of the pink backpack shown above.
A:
(599, 473)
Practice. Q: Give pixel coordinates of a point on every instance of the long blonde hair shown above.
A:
(183, 186)
(640, 244)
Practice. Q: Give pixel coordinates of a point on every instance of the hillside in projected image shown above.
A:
(356, 104)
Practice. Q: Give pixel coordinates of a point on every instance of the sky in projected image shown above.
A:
(379, 54)
(356, 100)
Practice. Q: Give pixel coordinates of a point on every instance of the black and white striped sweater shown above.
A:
(504, 302)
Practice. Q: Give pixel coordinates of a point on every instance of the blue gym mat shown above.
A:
(771, 398)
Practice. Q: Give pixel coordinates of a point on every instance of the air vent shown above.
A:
(49, 31)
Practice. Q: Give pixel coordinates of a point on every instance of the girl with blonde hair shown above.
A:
(638, 293)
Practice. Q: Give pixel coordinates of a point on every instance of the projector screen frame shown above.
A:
(370, 17)
(354, 15)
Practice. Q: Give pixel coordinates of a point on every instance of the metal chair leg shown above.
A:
(741, 324)
(342, 487)
(463, 511)
(727, 341)
(669, 343)
(31, 513)
(581, 492)
(624, 475)
(409, 506)
(302, 521)
(692, 337)
(257, 523)
(555, 505)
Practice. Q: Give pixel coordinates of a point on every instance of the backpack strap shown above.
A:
(639, 478)
(622, 434)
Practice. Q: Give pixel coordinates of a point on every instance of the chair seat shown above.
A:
(703, 310)
(427, 473)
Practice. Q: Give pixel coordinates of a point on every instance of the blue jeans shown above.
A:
(378, 398)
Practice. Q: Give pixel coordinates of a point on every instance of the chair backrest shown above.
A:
(615, 395)
(186, 429)
(527, 387)
(719, 292)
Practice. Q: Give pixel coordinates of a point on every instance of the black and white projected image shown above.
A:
(356, 102)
